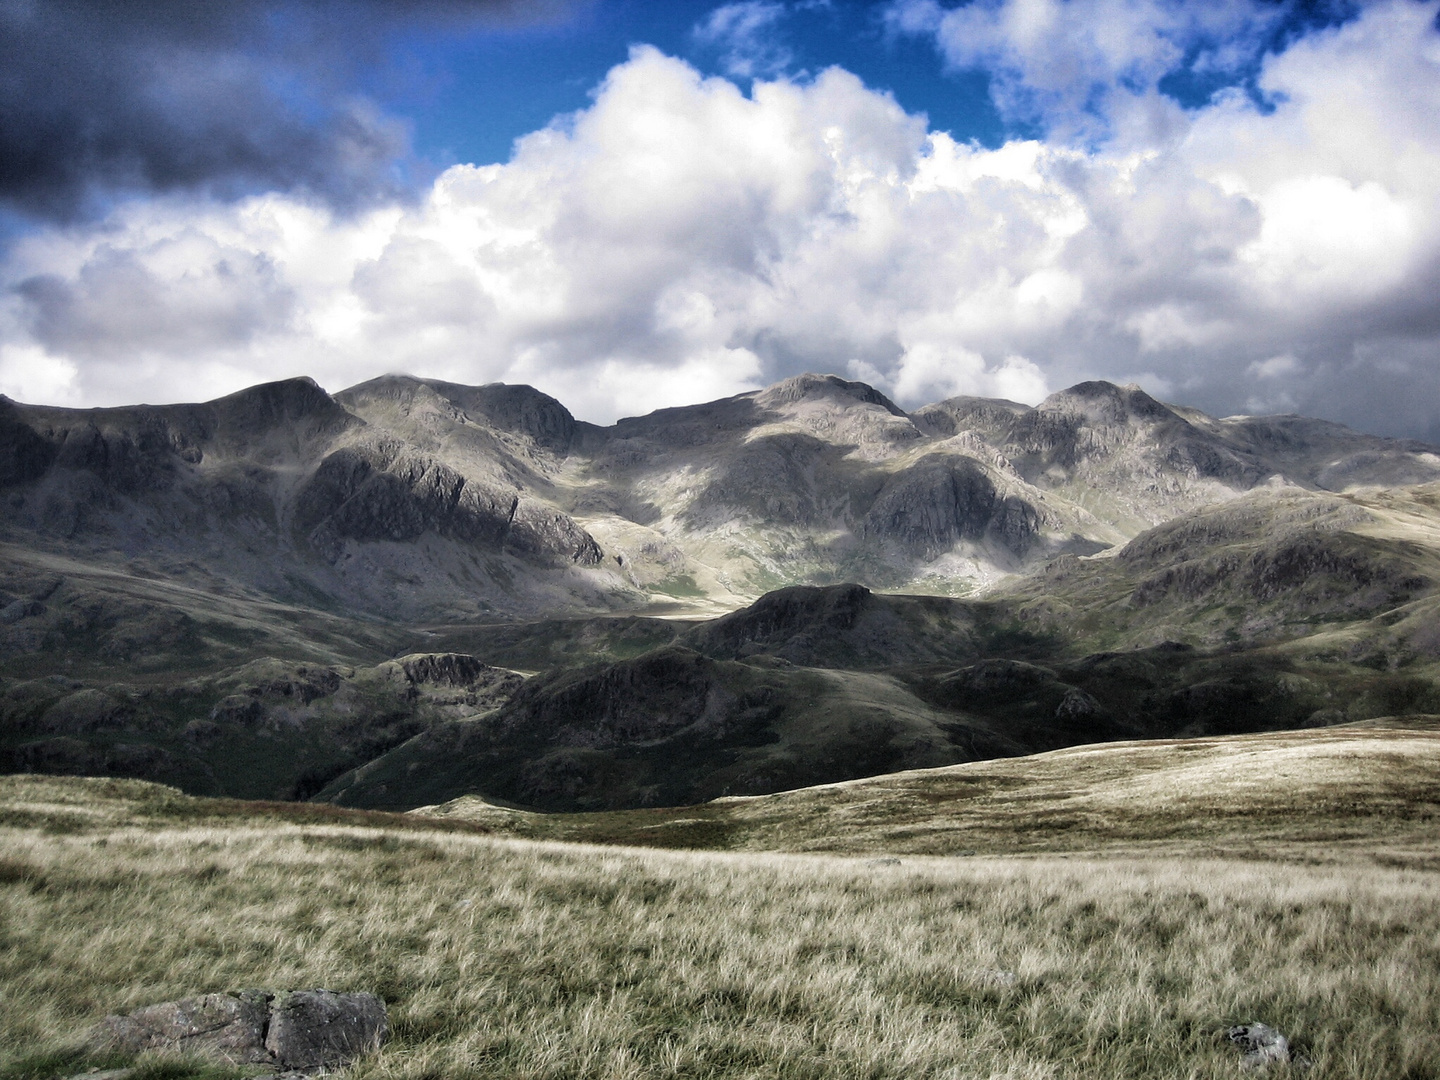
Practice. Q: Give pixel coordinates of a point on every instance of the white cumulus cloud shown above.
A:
(681, 239)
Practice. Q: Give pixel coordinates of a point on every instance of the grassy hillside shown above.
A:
(1371, 786)
(1290, 893)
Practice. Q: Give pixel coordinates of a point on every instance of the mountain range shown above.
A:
(413, 590)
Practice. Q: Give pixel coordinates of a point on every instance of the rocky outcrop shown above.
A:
(446, 669)
(297, 410)
(812, 387)
(229, 1028)
(515, 410)
(457, 679)
(317, 1028)
(147, 448)
(522, 410)
(1299, 548)
(542, 533)
(943, 500)
(1095, 423)
(378, 491)
(305, 1029)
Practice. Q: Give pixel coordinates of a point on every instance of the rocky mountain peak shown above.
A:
(404, 494)
(277, 404)
(812, 387)
(502, 407)
(515, 408)
(1103, 403)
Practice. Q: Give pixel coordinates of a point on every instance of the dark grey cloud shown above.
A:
(100, 97)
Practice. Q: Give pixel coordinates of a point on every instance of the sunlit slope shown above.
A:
(1372, 785)
(1271, 566)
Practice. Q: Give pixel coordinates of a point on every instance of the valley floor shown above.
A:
(1084, 953)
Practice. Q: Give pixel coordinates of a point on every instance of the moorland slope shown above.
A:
(1107, 912)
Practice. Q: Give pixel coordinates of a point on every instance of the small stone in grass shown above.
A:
(1260, 1045)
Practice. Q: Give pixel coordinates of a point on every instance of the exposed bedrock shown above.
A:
(378, 491)
(943, 500)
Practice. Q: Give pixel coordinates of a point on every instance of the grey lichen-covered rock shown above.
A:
(1260, 1045)
(314, 1028)
(227, 1027)
(304, 1029)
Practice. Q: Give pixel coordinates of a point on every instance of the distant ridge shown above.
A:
(402, 495)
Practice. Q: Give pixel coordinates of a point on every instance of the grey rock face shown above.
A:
(1076, 705)
(225, 1027)
(541, 533)
(313, 1028)
(24, 455)
(941, 500)
(447, 669)
(801, 387)
(300, 1030)
(1260, 1045)
(378, 492)
(521, 409)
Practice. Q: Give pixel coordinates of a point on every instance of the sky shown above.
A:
(1235, 204)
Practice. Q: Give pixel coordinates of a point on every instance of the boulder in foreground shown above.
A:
(315, 1028)
(296, 1030)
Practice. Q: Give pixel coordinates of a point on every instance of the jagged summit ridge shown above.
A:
(404, 495)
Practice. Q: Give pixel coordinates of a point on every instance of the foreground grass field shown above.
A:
(514, 958)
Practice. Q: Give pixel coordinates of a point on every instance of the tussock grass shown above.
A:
(508, 958)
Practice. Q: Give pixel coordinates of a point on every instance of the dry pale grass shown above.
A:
(505, 958)
(1370, 789)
